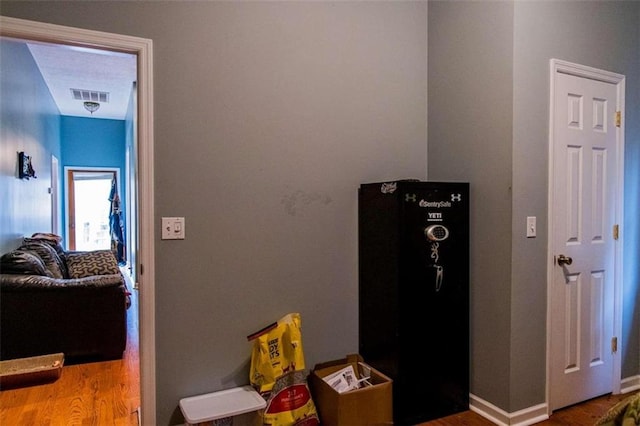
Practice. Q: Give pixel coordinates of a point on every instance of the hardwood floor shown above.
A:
(97, 393)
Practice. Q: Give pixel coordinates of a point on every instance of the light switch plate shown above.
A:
(173, 228)
(531, 227)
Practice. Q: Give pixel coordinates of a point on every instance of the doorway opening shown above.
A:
(143, 163)
(91, 215)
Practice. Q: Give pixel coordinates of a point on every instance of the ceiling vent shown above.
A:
(89, 95)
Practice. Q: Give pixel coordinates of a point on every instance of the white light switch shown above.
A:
(531, 227)
(173, 228)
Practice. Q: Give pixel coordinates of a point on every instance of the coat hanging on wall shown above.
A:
(116, 224)
(25, 168)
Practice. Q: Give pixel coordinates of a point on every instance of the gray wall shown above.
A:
(603, 35)
(488, 123)
(268, 116)
(470, 104)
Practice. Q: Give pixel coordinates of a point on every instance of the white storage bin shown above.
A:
(220, 408)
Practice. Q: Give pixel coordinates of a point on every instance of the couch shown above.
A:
(52, 301)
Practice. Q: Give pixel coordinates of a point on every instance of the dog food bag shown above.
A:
(278, 374)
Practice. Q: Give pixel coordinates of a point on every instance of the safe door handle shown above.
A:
(564, 260)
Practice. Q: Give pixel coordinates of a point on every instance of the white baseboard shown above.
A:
(524, 417)
(534, 414)
(630, 384)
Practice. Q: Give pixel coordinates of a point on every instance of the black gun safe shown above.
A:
(414, 293)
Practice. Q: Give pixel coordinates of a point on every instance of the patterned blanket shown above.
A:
(624, 413)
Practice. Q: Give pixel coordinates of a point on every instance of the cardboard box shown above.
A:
(370, 405)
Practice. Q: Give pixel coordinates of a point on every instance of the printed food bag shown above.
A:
(278, 374)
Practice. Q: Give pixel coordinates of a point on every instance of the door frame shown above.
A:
(55, 195)
(69, 197)
(558, 66)
(143, 49)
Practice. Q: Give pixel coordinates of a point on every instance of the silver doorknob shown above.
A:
(564, 260)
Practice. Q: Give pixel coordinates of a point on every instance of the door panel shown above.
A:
(583, 209)
(85, 230)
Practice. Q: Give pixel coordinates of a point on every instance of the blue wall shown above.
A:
(93, 142)
(29, 122)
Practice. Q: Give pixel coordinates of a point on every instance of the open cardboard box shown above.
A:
(370, 405)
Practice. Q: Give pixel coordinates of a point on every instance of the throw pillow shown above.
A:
(22, 262)
(51, 260)
(53, 240)
(57, 239)
(87, 263)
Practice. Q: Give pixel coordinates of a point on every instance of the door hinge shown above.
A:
(614, 345)
(618, 118)
(616, 232)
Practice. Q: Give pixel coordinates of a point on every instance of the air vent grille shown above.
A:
(89, 95)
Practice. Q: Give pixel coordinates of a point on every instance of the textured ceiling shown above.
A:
(67, 67)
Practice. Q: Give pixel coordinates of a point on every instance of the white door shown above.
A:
(585, 149)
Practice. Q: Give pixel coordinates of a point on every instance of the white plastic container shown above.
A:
(220, 407)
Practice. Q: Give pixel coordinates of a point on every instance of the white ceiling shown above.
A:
(68, 67)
